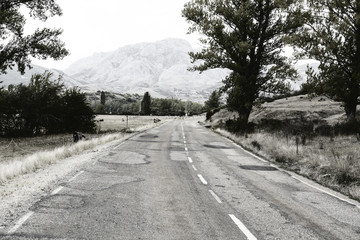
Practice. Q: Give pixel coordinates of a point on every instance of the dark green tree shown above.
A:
(43, 107)
(145, 104)
(332, 36)
(16, 48)
(213, 102)
(102, 98)
(79, 115)
(246, 37)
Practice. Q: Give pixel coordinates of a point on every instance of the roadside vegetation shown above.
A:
(133, 104)
(309, 136)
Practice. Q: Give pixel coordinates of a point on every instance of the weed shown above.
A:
(256, 145)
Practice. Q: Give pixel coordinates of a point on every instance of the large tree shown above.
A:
(245, 36)
(16, 48)
(332, 36)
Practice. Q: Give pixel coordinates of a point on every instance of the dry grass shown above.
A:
(121, 122)
(332, 162)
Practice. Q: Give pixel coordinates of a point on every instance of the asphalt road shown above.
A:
(181, 181)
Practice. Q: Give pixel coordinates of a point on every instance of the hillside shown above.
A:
(159, 68)
(297, 109)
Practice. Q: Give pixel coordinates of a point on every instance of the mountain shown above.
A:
(14, 77)
(159, 68)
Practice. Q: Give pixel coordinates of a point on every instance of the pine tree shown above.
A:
(102, 98)
(246, 37)
(145, 104)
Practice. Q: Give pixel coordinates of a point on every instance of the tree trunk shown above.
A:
(350, 108)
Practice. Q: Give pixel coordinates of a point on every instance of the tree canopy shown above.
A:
(145, 104)
(245, 36)
(331, 35)
(16, 48)
(43, 107)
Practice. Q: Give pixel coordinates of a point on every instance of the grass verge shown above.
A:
(334, 162)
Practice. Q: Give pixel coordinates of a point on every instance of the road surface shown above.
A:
(182, 181)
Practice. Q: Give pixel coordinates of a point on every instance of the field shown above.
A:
(120, 123)
(23, 155)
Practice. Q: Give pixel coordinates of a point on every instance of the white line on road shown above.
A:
(56, 190)
(195, 169)
(242, 227)
(202, 179)
(248, 152)
(324, 191)
(184, 142)
(215, 196)
(190, 160)
(20, 222)
(78, 174)
(119, 145)
(186, 149)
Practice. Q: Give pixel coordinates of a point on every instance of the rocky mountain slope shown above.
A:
(159, 68)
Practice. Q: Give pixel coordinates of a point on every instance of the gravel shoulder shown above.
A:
(19, 194)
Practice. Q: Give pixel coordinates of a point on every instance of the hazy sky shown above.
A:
(104, 25)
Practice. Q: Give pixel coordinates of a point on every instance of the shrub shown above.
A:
(239, 126)
(347, 128)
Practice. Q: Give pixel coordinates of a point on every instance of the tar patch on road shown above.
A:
(149, 136)
(216, 146)
(60, 202)
(258, 168)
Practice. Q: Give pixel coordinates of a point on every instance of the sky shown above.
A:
(93, 26)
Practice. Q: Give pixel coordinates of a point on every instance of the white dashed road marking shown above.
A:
(78, 174)
(215, 196)
(195, 169)
(20, 222)
(57, 190)
(242, 227)
(202, 179)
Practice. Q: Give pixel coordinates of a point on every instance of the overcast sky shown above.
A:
(104, 25)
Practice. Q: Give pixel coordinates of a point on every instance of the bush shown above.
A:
(348, 128)
(239, 126)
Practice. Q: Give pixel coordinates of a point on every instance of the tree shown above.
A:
(246, 37)
(79, 115)
(16, 48)
(102, 98)
(213, 102)
(145, 104)
(332, 36)
(43, 107)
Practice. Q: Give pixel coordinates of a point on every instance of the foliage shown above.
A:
(245, 36)
(43, 107)
(212, 104)
(102, 98)
(332, 36)
(16, 48)
(129, 104)
(167, 107)
(145, 104)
